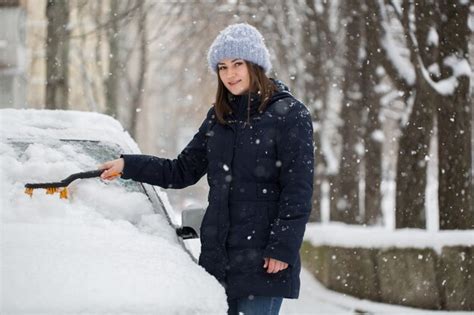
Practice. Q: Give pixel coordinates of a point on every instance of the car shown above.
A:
(110, 246)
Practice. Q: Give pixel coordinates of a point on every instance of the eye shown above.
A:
(221, 68)
(238, 63)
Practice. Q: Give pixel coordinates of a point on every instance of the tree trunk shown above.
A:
(345, 207)
(373, 156)
(143, 64)
(454, 112)
(412, 163)
(314, 96)
(416, 134)
(112, 76)
(57, 54)
(373, 133)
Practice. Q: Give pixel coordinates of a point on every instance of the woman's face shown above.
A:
(234, 74)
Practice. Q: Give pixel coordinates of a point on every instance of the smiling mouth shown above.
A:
(234, 83)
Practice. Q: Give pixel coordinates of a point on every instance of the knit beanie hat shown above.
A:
(241, 41)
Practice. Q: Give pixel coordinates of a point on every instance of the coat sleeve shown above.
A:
(296, 154)
(185, 170)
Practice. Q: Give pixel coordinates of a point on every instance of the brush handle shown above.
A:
(88, 174)
(67, 181)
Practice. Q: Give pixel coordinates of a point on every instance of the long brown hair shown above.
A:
(259, 83)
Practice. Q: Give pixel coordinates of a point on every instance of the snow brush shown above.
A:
(61, 186)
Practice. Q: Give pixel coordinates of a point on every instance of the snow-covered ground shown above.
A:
(311, 300)
(316, 299)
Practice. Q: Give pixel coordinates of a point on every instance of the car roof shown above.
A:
(31, 124)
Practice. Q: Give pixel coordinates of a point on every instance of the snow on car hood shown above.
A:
(103, 250)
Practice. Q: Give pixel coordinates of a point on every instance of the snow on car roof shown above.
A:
(63, 124)
(103, 250)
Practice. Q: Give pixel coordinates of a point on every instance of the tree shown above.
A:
(454, 123)
(125, 19)
(414, 142)
(115, 66)
(57, 54)
(437, 82)
(318, 45)
(137, 88)
(345, 206)
(372, 133)
(120, 28)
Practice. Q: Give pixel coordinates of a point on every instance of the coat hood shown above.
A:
(283, 90)
(242, 108)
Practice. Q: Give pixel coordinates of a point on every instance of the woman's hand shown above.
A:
(273, 265)
(113, 169)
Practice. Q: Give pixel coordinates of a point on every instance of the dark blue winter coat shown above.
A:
(261, 182)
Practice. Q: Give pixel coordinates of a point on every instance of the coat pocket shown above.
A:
(246, 260)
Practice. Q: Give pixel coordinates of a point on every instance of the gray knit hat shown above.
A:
(241, 41)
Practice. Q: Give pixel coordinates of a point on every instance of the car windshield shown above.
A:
(96, 151)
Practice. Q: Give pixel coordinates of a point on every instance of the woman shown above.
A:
(256, 147)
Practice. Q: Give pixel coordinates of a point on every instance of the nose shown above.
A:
(230, 73)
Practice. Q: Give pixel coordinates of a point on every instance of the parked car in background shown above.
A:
(110, 247)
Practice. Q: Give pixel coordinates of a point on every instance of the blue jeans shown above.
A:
(255, 305)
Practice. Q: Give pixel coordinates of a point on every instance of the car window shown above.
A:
(98, 152)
